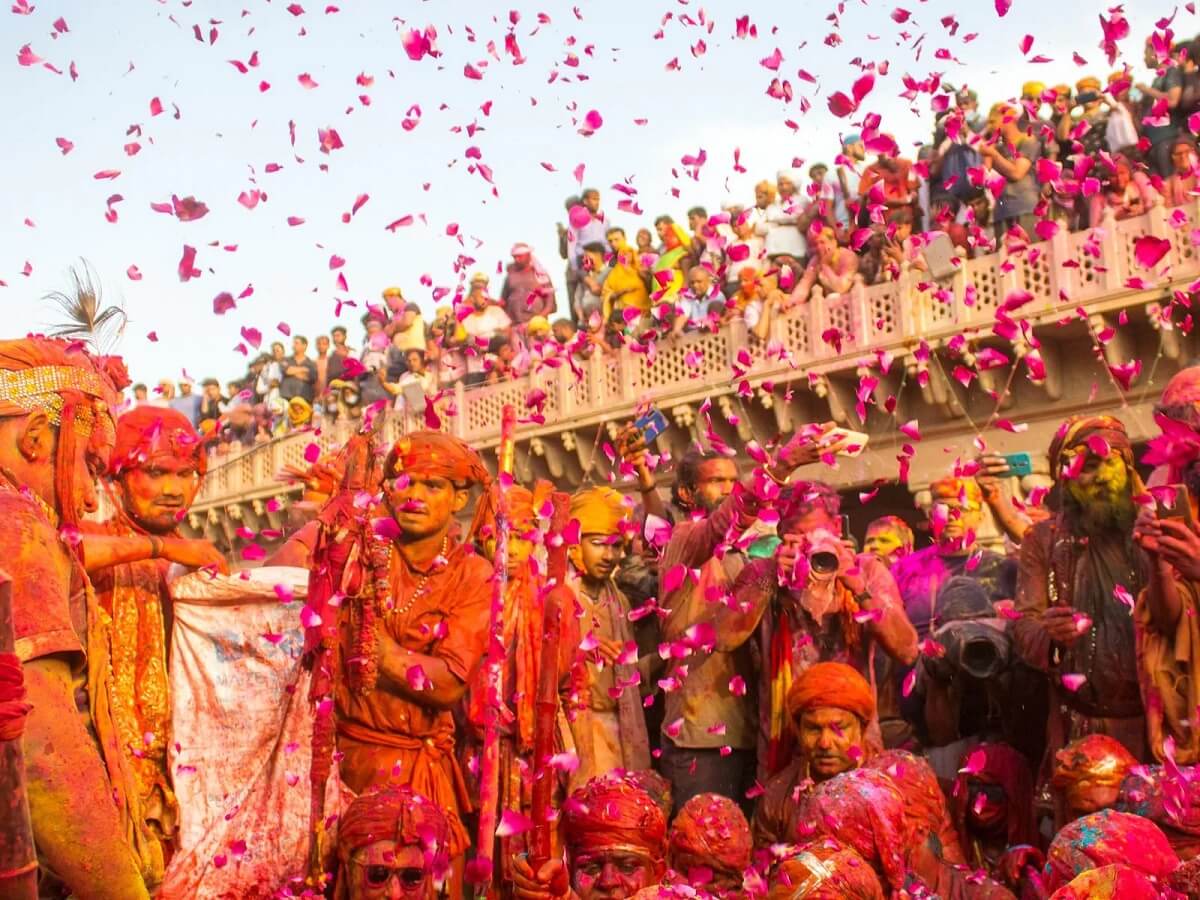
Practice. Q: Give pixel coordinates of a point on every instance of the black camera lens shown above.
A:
(823, 562)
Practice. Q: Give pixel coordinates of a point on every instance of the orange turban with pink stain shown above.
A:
(434, 454)
(825, 870)
(710, 831)
(831, 684)
(864, 809)
(609, 813)
(1095, 760)
(149, 431)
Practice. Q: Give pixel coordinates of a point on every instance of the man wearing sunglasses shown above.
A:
(392, 843)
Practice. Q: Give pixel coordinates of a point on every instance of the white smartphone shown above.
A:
(855, 441)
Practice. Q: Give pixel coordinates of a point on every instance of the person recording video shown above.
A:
(960, 689)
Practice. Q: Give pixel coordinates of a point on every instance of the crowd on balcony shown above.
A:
(1054, 158)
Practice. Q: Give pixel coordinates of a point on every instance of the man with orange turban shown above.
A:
(830, 705)
(405, 601)
(56, 433)
(709, 846)
(1079, 574)
(613, 733)
(391, 836)
(1087, 775)
(154, 473)
(616, 841)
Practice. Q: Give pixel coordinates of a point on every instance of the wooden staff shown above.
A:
(545, 728)
(495, 661)
(18, 861)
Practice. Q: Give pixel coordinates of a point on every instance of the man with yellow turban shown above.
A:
(830, 705)
(1079, 574)
(56, 433)
(613, 734)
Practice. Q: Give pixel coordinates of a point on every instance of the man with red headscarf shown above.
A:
(830, 706)
(1103, 839)
(992, 806)
(56, 434)
(1079, 574)
(391, 836)
(709, 846)
(616, 841)
(154, 473)
(406, 600)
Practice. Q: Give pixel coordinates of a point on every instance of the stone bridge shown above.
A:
(1001, 351)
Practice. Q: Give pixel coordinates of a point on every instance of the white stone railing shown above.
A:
(1072, 270)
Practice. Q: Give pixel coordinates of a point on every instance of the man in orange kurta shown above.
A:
(426, 633)
(56, 431)
(157, 462)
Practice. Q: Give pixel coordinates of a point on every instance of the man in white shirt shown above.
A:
(486, 321)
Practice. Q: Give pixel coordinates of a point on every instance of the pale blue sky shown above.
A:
(228, 132)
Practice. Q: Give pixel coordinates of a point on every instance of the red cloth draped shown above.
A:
(712, 830)
(864, 809)
(924, 803)
(13, 708)
(1105, 838)
(1001, 765)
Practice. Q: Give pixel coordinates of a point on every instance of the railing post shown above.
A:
(1111, 257)
(816, 325)
(460, 404)
(1062, 278)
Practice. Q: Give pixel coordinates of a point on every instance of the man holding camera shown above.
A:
(814, 602)
(709, 731)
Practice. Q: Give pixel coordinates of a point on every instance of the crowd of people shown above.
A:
(714, 692)
(719, 692)
(1061, 157)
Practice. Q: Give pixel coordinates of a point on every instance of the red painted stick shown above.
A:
(484, 867)
(546, 708)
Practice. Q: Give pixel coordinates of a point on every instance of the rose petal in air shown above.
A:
(1073, 682)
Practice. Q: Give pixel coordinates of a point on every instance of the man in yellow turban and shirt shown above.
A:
(613, 735)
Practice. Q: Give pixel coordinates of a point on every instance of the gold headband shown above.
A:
(39, 390)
